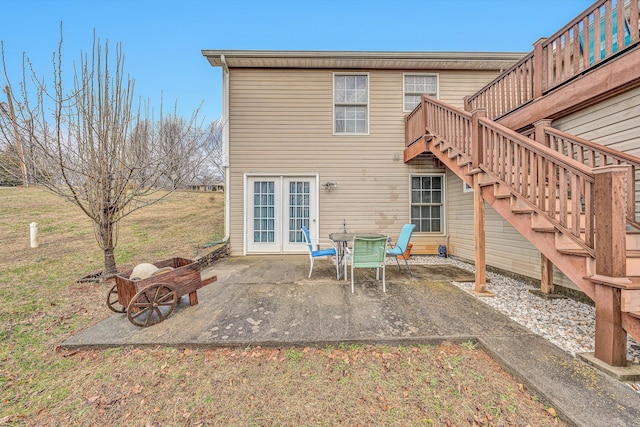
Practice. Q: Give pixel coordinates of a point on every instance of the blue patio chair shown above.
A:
(319, 252)
(401, 245)
(369, 252)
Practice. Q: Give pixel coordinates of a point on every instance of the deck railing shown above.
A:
(604, 30)
(444, 120)
(414, 126)
(594, 155)
(556, 186)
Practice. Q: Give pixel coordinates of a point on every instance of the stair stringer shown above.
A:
(573, 266)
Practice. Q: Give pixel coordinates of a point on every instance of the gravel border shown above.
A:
(565, 322)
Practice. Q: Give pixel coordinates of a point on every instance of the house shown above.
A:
(510, 160)
(217, 186)
(317, 139)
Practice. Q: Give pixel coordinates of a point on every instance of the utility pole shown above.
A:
(23, 168)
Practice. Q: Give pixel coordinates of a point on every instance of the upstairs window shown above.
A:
(351, 103)
(417, 84)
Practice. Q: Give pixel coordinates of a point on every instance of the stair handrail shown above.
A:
(507, 155)
(509, 91)
(414, 125)
(593, 155)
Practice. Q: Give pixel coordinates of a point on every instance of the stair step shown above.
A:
(541, 224)
(486, 180)
(519, 206)
(635, 282)
(463, 161)
(634, 314)
(501, 191)
(566, 244)
(630, 300)
(575, 252)
(443, 146)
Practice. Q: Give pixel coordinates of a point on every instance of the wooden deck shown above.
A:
(592, 57)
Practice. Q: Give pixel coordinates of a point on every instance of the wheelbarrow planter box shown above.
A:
(157, 292)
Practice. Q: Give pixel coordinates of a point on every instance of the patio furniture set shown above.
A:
(366, 251)
(149, 293)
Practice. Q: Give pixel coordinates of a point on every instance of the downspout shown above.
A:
(225, 145)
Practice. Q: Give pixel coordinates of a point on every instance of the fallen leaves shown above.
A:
(230, 386)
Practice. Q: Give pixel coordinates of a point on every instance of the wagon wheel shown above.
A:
(113, 301)
(152, 305)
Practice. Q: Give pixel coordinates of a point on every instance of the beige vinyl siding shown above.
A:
(614, 122)
(281, 122)
(455, 85)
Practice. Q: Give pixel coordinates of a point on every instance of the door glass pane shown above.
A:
(298, 209)
(263, 212)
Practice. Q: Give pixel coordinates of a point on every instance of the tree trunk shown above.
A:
(109, 262)
(106, 239)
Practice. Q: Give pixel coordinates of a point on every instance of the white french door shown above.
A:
(277, 207)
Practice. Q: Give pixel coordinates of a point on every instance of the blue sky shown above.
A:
(162, 40)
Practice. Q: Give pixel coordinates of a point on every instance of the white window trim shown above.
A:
(404, 75)
(333, 103)
(442, 232)
(466, 188)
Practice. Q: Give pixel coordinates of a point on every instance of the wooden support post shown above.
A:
(610, 247)
(539, 135)
(546, 267)
(477, 159)
(477, 139)
(546, 275)
(467, 106)
(479, 234)
(611, 338)
(539, 68)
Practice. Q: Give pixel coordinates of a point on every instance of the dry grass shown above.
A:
(42, 305)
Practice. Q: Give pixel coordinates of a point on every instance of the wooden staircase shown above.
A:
(555, 201)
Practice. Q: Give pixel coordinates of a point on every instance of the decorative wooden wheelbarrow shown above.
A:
(151, 300)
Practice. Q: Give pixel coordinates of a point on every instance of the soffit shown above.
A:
(363, 60)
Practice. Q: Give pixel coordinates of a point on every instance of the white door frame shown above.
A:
(280, 245)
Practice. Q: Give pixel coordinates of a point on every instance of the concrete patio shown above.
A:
(269, 301)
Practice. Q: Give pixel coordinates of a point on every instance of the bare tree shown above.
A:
(210, 151)
(213, 166)
(10, 171)
(91, 146)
